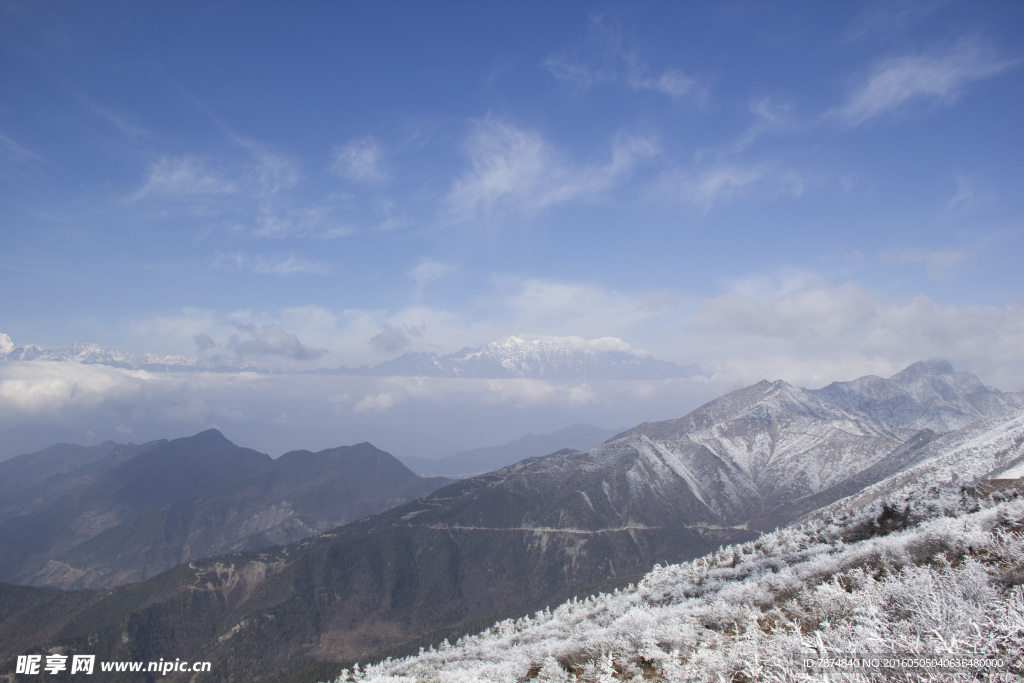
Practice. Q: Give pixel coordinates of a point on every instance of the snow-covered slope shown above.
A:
(755, 458)
(991, 448)
(776, 443)
(926, 395)
(930, 571)
(944, 580)
(923, 564)
(772, 448)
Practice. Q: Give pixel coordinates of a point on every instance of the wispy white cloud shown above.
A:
(289, 265)
(675, 84)
(16, 154)
(889, 17)
(336, 232)
(597, 57)
(769, 116)
(506, 163)
(247, 188)
(360, 160)
(126, 124)
(428, 270)
(261, 174)
(280, 218)
(940, 263)
(268, 172)
(722, 182)
(970, 192)
(264, 171)
(271, 265)
(517, 169)
(938, 78)
(185, 176)
(600, 57)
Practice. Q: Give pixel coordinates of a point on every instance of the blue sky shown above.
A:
(803, 190)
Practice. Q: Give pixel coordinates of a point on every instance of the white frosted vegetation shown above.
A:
(930, 573)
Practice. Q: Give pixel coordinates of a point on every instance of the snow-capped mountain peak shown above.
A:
(570, 359)
(925, 395)
(86, 353)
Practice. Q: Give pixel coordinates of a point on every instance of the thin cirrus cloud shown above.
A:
(600, 56)
(271, 265)
(361, 161)
(673, 83)
(769, 117)
(266, 172)
(940, 263)
(276, 218)
(258, 172)
(723, 182)
(938, 78)
(596, 57)
(428, 270)
(13, 153)
(896, 16)
(253, 196)
(516, 169)
(185, 176)
(970, 193)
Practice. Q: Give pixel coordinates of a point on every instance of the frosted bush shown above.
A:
(946, 582)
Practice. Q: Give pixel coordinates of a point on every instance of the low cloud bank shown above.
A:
(310, 411)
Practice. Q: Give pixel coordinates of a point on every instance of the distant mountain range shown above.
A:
(97, 355)
(101, 516)
(544, 529)
(532, 359)
(509, 358)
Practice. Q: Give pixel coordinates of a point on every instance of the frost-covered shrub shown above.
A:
(942, 574)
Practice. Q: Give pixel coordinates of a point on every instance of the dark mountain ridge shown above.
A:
(114, 514)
